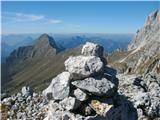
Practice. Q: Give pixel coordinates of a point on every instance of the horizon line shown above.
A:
(64, 33)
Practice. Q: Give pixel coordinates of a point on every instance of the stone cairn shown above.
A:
(86, 90)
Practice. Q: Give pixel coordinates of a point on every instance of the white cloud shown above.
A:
(25, 17)
(28, 17)
(54, 21)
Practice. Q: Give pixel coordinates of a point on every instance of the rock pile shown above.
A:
(144, 93)
(86, 90)
(24, 105)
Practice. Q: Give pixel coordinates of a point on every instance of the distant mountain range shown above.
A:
(109, 41)
(34, 64)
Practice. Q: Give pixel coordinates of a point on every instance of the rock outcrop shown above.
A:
(143, 92)
(149, 33)
(144, 51)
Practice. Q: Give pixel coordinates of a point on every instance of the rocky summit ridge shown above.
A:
(88, 89)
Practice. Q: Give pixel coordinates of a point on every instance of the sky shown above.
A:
(75, 17)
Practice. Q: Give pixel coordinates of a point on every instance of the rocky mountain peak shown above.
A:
(154, 16)
(143, 53)
(44, 46)
(45, 41)
(148, 34)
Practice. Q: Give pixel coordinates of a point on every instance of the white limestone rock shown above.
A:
(59, 87)
(92, 49)
(83, 66)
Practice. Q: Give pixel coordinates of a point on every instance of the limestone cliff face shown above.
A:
(146, 46)
(144, 51)
(149, 33)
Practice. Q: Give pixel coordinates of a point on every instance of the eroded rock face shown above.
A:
(148, 33)
(144, 50)
(59, 87)
(83, 66)
(99, 87)
(92, 49)
(143, 92)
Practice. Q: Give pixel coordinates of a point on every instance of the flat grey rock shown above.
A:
(99, 87)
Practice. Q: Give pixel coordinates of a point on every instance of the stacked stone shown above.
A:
(86, 87)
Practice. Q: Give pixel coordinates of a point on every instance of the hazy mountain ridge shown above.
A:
(66, 41)
(34, 65)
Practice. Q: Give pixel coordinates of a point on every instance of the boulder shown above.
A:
(70, 103)
(59, 87)
(80, 95)
(96, 86)
(26, 91)
(83, 66)
(92, 49)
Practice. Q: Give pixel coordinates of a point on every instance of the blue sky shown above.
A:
(75, 17)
